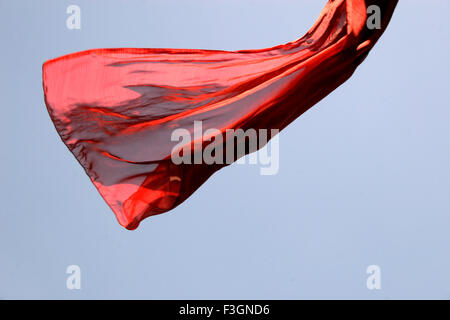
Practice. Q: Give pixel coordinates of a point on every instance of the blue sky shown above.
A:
(364, 175)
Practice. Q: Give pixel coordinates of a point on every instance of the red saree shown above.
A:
(115, 109)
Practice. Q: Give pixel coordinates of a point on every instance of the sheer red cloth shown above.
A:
(116, 109)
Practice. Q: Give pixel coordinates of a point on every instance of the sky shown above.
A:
(364, 176)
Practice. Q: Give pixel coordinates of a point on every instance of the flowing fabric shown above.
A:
(116, 109)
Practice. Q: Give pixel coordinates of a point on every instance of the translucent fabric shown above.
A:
(116, 109)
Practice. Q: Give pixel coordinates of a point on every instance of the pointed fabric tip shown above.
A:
(116, 109)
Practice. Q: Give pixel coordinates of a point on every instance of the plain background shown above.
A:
(364, 175)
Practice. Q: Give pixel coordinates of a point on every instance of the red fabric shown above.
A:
(115, 109)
